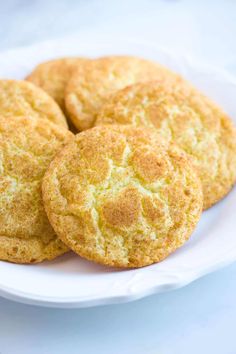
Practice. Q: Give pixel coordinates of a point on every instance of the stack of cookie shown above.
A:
(149, 154)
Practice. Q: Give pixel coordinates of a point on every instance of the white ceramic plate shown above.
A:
(70, 281)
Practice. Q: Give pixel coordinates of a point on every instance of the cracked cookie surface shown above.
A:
(93, 82)
(184, 116)
(21, 98)
(121, 196)
(26, 149)
(52, 76)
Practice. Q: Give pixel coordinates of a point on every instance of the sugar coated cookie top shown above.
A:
(121, 196)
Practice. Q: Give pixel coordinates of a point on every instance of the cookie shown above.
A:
(93, 82)
(21, 98)
(183, 115)
(52, 76)
(121, 196)
(27, 146)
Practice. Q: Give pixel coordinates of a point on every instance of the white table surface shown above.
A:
(199, 318)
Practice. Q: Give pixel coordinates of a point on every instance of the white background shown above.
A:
(199, 318)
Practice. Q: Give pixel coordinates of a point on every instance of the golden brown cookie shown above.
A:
(21, 98)
(93, 82)
(183, 115)
(52, 76)
(26, 148)
(121, 196)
